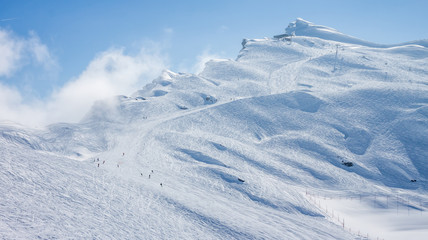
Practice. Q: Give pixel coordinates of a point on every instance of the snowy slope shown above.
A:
(282, 117)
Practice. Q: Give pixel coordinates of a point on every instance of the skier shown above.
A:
(161, 184)
(98, 165)
(149, 176)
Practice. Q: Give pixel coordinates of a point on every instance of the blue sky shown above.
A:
(48, 45)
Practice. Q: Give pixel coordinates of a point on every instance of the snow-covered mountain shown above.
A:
(233, 152)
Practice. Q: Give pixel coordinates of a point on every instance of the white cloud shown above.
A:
(202, 59)
(17, 52)
(10, 53)
(12, 108)
(223, 28)
(7, 19)
(40, 52)
(110, 73)
(168, 31)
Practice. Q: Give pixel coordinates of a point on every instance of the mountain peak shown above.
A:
(301, 27)
(304, 28)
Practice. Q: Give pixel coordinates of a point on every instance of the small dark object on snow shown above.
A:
(413, 180)
(348, 164)
(161, 184)
(241, 180)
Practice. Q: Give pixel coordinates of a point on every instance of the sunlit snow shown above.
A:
(252, 148)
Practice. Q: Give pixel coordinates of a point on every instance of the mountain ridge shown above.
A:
(301, 27)
(231, 152)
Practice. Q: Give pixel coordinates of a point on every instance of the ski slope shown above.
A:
(282, 117)
(375, 216)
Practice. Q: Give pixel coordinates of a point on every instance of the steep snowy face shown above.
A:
(235, 147)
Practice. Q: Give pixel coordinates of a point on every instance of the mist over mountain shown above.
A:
(232, 152)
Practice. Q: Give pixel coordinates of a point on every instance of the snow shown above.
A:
(282, 117)
(380, 217)
(301, 27)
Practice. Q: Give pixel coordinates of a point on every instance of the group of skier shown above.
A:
(150, 175)
(97, 160)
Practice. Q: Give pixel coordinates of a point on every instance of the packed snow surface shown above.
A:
(236, 152)
(376, 217)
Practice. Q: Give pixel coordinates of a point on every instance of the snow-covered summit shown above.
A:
(301, 27)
